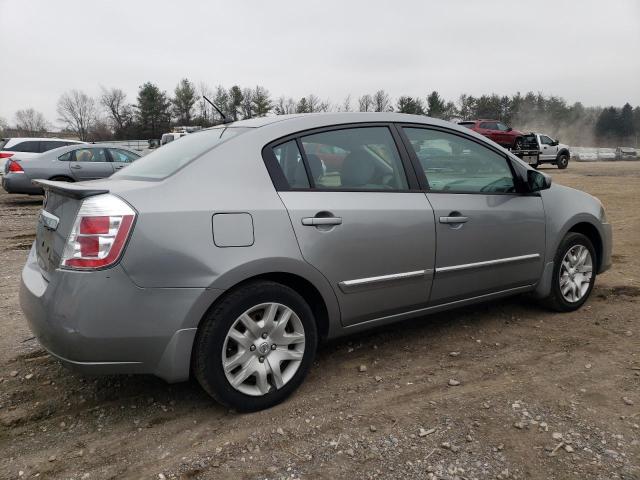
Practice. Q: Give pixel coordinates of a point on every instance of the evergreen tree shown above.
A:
(627, 128)
(152, 111)
(410, 105)
(435, 105)
(261, 101)
(235, 102)
(183, 102)
(303, 106)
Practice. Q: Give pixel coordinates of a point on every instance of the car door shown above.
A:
(90, 163)
(489, 237)
(363, 223)
(121, 158)
(548, 150)
(490, 130)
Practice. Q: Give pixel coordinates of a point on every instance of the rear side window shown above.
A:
(30, 146)
(171, 157)
(364, 158)
(453, 164)
(290, 161)
(3, 142)
(65, 157)
(489, 125)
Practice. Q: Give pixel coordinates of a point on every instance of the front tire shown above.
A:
(255, 347)
(574, 273)
(563, 161)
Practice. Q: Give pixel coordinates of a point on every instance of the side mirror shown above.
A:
(509, 129)
(537, 181)
(555, 143)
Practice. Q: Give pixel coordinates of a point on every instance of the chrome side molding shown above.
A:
(487, 263)
(349, 286)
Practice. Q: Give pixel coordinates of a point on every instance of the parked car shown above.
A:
(626, 153)
(28, 147)
(66, 164)
(548, 150)
(496, 131)
(170, 137)
(230, 254)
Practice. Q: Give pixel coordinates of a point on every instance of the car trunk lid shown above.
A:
(61, 204)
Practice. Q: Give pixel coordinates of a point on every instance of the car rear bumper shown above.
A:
(19, 183)
(100, 322)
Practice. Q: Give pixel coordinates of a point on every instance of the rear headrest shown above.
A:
(358, 169)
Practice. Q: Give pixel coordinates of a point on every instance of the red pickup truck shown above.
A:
(496, 131)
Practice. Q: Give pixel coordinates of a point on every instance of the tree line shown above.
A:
(111, 115)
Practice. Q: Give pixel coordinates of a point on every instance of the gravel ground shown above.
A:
(501, 390)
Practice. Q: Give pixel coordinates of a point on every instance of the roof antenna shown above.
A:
(225, 119)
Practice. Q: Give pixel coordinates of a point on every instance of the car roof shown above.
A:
(77, 146)
(39, 139)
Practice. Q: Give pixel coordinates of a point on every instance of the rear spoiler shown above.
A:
(69, 189)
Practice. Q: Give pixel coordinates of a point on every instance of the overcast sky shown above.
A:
(586, 51)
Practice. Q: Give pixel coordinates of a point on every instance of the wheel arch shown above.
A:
(590, 231)
(563, 151)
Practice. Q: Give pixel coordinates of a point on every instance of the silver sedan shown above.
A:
(73, 163)
(230, 254)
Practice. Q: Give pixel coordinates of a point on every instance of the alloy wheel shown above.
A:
(575, 273)
(263, 349)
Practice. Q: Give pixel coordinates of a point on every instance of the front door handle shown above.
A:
(118, 167)
(316, 221)
(454, 219)
(76, 166)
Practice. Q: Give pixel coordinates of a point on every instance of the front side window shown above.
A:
(545, 140)
(502, 127)
(91, 155)
(65, 157)
(364, 158)
(458, 165)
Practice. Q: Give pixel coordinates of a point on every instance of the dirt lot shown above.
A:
(541, 395)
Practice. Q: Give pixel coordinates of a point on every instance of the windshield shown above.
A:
(170, 158)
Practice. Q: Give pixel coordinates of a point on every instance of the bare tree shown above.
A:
(285, 106)
(31, 122)
(119, 112)
(381, 102)
(317, 105)
(205, 110)
(346, 103)
(365, 103)
(77, 111)
(3, 124)
(246, 107)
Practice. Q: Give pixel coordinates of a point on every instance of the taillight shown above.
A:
(14, 167)
(6, 154)
(99, 234)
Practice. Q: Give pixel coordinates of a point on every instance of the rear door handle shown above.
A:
(315, 221)
(454, 219)
(118, 167)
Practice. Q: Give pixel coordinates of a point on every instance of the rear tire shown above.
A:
(266, 356)
(573, 277)
(563, 161)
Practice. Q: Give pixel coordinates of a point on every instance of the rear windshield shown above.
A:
(171, 157)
